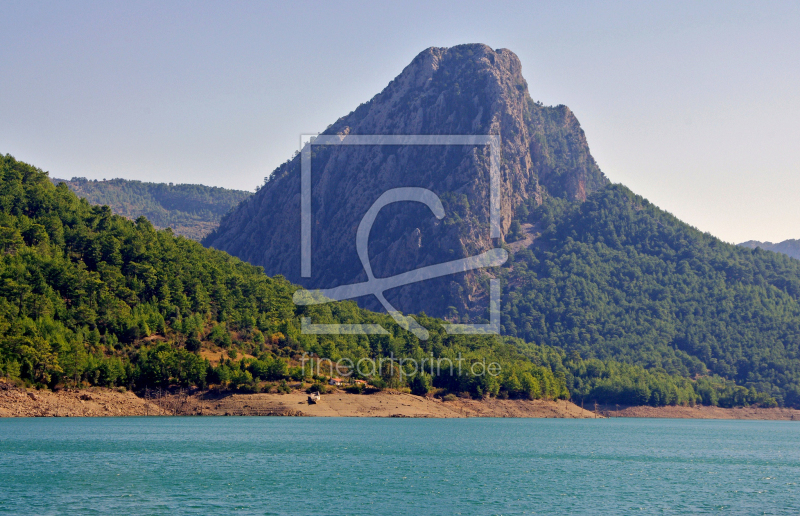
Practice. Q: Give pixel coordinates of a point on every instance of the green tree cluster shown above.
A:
(87, 296)
(615, 278)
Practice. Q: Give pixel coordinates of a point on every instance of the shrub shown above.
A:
(378, 383)
(269, 368)
(193, 344)
(354, 389)
(284, 387)
(420, 384)
(220, 336)
(317, 387)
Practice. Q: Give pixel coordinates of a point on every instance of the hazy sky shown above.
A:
(694, 105)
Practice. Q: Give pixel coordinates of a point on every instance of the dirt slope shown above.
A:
(703, 412)
(96, 402)
(17, 402)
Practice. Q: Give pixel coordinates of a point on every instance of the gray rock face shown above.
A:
(468, 89)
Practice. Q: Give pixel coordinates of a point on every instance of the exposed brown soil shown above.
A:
(379, 404)
(20, 402)
(215, 357)
(703, 412)
(529, 234)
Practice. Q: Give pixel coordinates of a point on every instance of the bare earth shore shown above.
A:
(17, 402)
(96, 402)
(704, 412)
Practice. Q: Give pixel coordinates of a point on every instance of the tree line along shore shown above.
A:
(92, 299)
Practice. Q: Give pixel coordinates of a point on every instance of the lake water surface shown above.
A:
(339, 466)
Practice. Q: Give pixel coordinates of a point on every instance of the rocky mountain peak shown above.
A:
(461, 90)
(416, 101)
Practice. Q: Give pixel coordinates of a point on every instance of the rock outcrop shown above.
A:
(463, 90)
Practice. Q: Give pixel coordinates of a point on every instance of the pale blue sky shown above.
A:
(694, 105)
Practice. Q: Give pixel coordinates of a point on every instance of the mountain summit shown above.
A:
(463, 90)
(593, 268)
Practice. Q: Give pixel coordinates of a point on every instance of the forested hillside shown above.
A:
(616, 277)
(190, 210)
(89, 297)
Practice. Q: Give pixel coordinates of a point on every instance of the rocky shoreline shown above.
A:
(20, 402)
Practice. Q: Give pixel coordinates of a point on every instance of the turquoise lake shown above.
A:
(243, 465)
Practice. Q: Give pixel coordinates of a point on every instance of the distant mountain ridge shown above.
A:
(190, 210)
(787, 247)
(463, 90)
